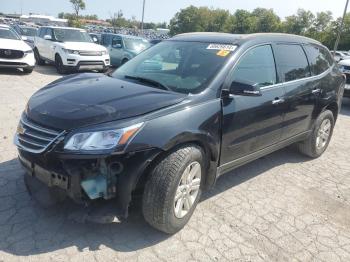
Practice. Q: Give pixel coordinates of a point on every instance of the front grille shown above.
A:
(91, 63)
(90, 53)
(347, 67)
(33, 137)
(12, 63)
(11, 54)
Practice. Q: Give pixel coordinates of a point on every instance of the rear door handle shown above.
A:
(277, 101)
(316, 91)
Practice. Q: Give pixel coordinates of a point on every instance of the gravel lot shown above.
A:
(282, 207)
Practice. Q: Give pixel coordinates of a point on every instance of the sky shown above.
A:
(163, 10)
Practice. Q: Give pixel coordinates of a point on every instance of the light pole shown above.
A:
(341, 27)
(143, 14)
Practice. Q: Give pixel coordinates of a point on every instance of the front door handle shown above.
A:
(277, 101)
(316, 91)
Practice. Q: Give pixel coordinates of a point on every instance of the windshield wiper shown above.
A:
(149, 81)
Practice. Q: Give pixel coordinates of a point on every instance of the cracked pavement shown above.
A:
(282, 207)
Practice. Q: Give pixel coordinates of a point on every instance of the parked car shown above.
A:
(340, 55)
(344, 66)
(169, 131)
(70, 49)
(14, 52)
(96, 38)
(30, 33)
(155, 41)
(122, 48)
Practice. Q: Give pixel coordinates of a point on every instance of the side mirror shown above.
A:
(244, 88)
(47, 37)
(24, 38)
(117, 46)
(95, 39)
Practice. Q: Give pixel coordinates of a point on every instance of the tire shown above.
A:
(124, 61)
(38, 60)
(61, 69)
(166, 179)
(309, 147)
(28, 70)
(104, 70)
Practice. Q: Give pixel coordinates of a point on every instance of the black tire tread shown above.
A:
(155, 200)
(306, 147)
(39, 61)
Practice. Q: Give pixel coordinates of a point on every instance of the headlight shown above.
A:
(102, 140)
(341, 67)
(69, 51)
(28, 52)
(104, 52)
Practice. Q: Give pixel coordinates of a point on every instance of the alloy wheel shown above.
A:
(323, 134)
(187, 190)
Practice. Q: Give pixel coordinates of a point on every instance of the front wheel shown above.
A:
(61, 69)
(38, 59)
(173, 189)
(320, 137)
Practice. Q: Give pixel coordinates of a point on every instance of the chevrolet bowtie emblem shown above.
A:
(20, 129)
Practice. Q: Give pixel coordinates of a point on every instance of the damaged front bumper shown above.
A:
(91, 179)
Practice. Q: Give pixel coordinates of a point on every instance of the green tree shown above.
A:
(77, 6)
(265, 20)
(219, 21)
(300, 23)
(243, 22)
(190, 19)
(118, 20)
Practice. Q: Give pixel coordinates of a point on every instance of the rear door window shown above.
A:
(291, 61)
(256, 67)
(117, 42)
(42, 32)
(319, 59)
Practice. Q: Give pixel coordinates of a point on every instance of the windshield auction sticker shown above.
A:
(223, 53)
(222, 47)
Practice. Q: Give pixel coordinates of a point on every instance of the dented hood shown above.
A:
(87, 99)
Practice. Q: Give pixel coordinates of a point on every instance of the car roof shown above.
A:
(27, 26)
(126, 36)
(239, 39)
(63, 27)
(4, 26)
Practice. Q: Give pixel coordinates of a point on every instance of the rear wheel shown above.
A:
(61, 69)
(173, 189)
(320, 137)
(39, 61)
(124, 61)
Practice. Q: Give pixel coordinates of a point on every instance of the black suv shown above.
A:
(170, 121)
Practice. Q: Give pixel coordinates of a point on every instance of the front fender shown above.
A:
(199, 124)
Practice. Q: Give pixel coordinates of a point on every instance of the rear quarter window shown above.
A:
(319, 59)
(291, 61)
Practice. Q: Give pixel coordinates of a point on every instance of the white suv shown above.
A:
(14, 52)
(70, 49)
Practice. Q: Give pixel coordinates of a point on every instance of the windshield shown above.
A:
(185, 67)
(28, 31)
(8, 34)
(137, 45)
(71, 35)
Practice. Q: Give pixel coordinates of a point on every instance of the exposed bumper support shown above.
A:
(88, 181)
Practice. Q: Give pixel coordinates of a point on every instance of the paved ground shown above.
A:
(279, 208)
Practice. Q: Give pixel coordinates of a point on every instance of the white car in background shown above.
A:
(14, 52)
(340, 55)
(70, 49)
(344, 66)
